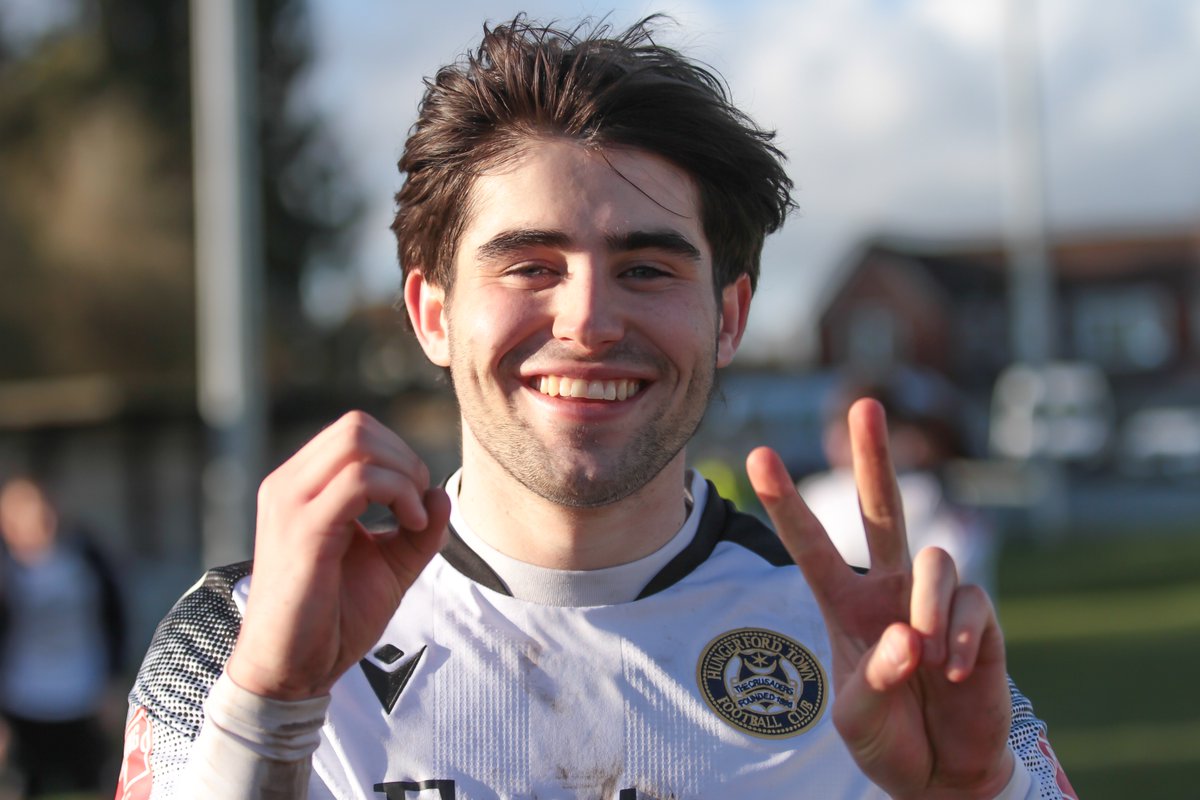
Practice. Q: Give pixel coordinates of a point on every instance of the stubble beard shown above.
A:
(578, 474)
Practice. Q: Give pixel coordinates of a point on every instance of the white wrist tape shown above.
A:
(253, 747)
(1020, 785)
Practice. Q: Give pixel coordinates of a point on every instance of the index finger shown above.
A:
(356, 436)
(795, 524)
(878, 492)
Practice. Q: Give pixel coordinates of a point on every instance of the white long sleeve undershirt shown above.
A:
(252, 747)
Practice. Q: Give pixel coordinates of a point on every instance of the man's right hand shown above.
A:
(323, 588)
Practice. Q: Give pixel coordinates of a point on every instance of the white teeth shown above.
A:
(558, 386)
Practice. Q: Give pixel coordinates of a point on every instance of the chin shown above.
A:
(578, 486)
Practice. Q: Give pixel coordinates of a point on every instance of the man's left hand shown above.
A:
(922, 698)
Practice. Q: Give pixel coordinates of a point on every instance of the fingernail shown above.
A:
(899, 656)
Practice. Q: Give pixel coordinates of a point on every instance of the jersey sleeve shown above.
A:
(166, 704)
(1027, 738)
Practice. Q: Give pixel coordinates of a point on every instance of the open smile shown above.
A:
(583, 389)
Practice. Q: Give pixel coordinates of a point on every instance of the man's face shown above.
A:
(582, 332)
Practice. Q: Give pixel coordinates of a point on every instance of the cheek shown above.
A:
(688, 332)
(492, 326)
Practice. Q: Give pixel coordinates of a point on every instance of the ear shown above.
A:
(426, 306)
(735, 309)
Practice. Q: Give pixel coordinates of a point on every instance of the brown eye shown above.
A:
(645, 271)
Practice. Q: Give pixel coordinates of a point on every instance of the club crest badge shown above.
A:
(762, 682)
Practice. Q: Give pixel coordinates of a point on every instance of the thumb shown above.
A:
(437, 506)
(863, 702)
(407, 552)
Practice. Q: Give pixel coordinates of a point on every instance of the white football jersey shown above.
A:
(713, 683)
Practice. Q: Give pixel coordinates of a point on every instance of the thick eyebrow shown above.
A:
(513, 242)
(667, 241)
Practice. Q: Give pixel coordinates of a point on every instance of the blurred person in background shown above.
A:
(61, 640)
(925, 435)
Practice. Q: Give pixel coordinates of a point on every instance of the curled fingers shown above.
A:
(358, 484)
(355, 436)
(935, 580)
(974, 634)
(954, 620)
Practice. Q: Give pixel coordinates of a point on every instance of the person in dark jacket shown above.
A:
(62, 636)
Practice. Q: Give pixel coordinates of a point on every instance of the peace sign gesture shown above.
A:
(922, 698)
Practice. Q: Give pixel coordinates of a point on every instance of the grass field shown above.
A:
(1104, 636)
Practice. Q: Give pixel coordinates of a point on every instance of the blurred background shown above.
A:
(999, 213)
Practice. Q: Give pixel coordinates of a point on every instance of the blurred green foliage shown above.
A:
(96, 190)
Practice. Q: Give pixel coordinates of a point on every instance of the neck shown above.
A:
(525, 526)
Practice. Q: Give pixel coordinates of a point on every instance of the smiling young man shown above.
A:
(582, 339)
(575, 613)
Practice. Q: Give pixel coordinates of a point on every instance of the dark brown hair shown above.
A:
(527, 81)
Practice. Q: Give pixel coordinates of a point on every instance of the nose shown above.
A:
(587, 310)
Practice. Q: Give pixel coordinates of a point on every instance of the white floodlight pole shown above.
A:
(229, 268)
(1032, 295)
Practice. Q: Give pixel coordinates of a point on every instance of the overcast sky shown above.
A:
(892, 113)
